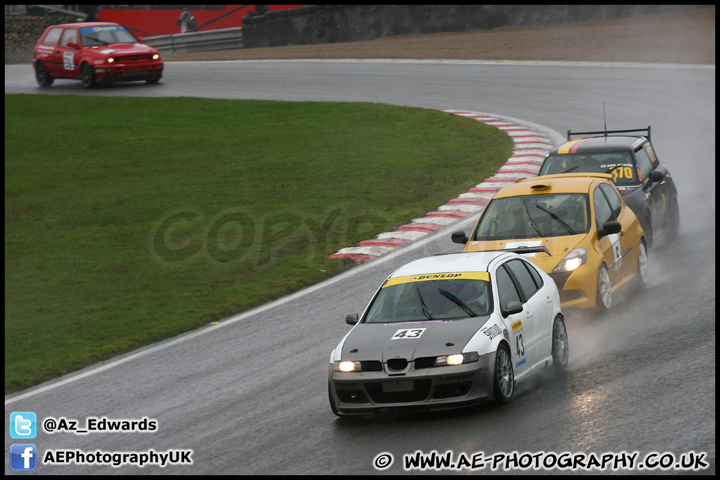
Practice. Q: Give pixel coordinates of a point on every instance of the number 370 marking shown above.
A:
(408, 333)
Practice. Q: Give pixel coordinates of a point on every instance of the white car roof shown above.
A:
(454, 262)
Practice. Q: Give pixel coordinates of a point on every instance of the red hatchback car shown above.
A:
(94, 52)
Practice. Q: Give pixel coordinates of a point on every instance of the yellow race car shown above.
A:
(575, 227)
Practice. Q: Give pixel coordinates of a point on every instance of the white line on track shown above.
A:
(226, 322)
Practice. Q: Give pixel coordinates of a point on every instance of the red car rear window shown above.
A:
(52, 37)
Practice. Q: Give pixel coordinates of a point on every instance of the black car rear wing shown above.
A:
(606, 132)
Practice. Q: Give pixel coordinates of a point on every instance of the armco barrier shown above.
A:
(223, 39)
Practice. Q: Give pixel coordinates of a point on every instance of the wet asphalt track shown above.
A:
(249, 395)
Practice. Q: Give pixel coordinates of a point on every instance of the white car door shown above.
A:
(539, 304)
(538, 307)
(520, 325)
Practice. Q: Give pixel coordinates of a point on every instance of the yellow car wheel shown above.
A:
(642, 272)
(603, 298)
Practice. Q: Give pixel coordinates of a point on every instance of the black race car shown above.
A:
(645, 184)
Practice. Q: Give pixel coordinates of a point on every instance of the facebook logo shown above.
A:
(23, 425)
(23, 456)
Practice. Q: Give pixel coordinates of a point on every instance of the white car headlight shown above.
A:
(572, 261)
(456, 359)
(347, 366)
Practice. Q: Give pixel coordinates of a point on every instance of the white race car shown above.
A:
(449, 331)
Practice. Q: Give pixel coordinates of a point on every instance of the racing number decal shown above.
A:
(519, 343)
(621, 172)
(68, 63)
(408, 333)
(617, 251)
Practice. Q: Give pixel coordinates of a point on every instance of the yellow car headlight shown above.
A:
(572, 261)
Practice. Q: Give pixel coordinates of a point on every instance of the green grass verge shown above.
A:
(130, 220)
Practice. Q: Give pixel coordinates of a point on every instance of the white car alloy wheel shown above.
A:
(560, 346)
(504, 375)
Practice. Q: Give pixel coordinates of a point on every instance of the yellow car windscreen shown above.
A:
(533, 216)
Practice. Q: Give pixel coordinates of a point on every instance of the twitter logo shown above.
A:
(23, 425)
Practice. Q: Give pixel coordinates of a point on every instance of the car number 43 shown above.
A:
(408, 333)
